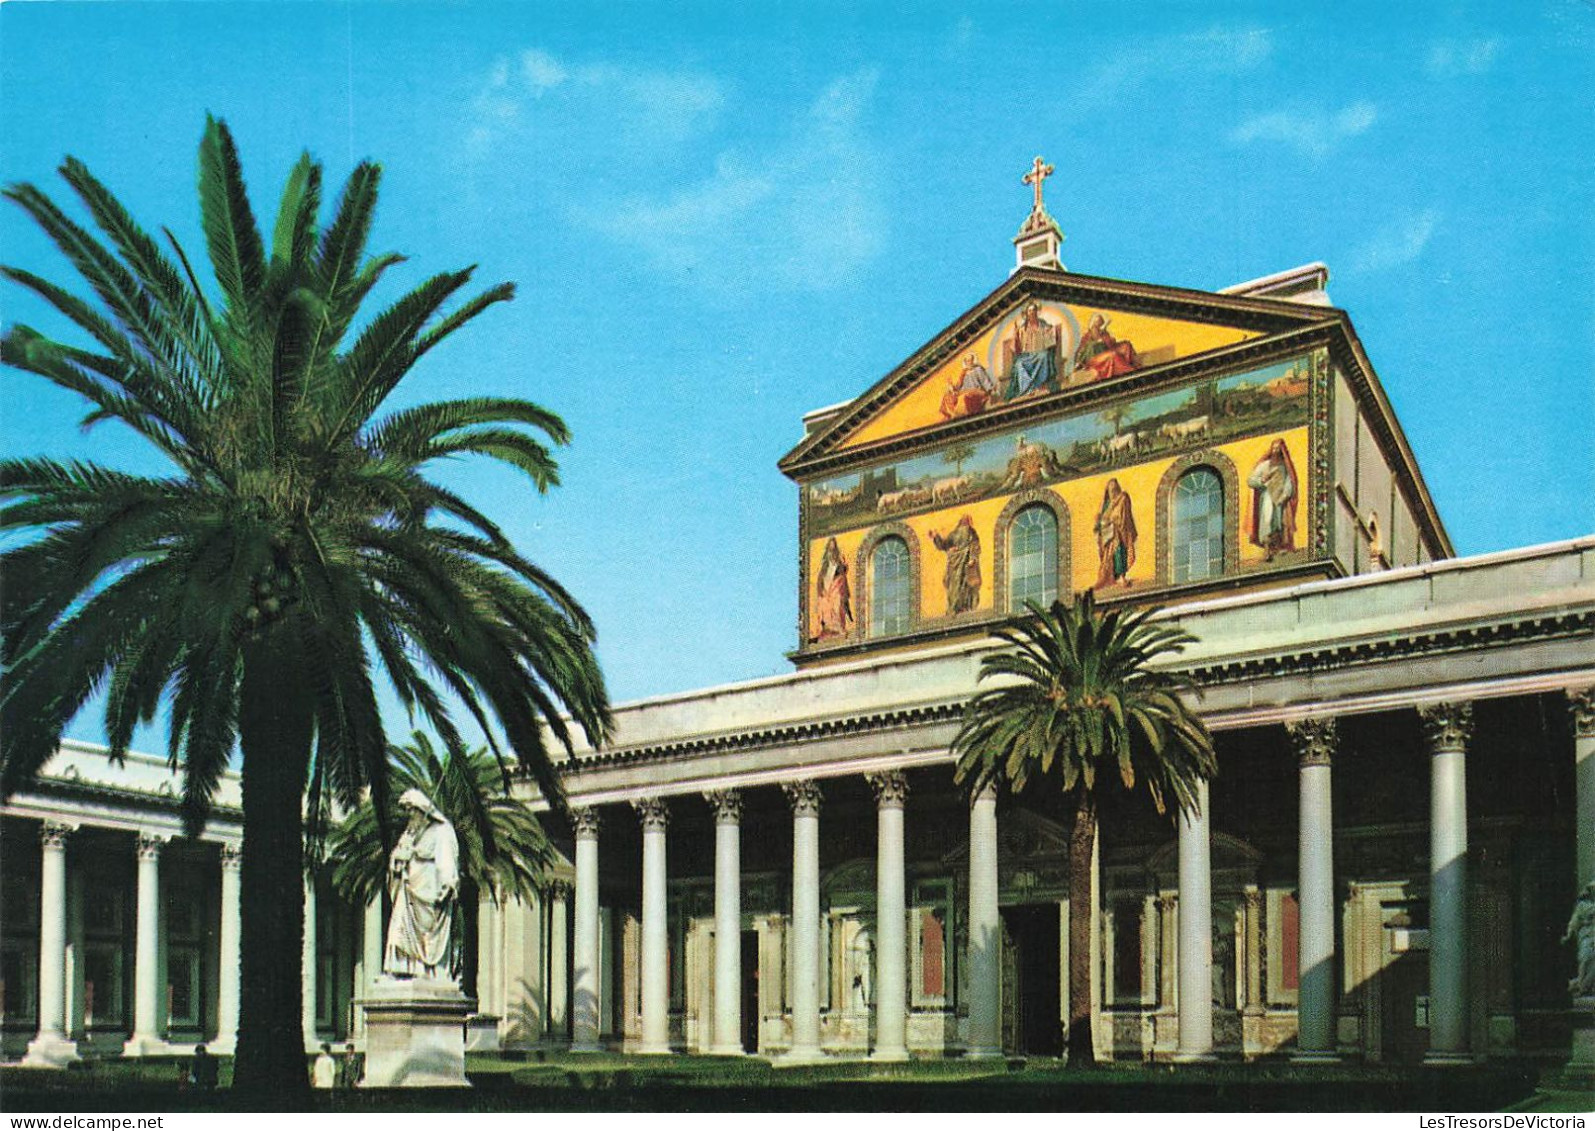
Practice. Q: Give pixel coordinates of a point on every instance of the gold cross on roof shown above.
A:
(1039, 171)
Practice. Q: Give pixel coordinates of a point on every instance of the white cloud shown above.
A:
(1215, 51)
(1313, 133)
(1456, 58)
(1397, 243)
(637, 106)
(806, 213)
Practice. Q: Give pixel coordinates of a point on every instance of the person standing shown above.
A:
(324, 1072)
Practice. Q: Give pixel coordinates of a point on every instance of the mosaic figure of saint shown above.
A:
(969, 390)
(962, 579)
(1102, 353)
(1116, 533)
(1275, 492)
(1034, 353)
(833, 597)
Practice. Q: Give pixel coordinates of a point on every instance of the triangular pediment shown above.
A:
(1044, 334)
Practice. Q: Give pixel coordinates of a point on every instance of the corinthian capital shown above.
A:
(1447, 726)
(1582, 701)
(655, 813)
(1315, 740)
(585, 821)
(727, 805)
(891, 788)
(804, 796)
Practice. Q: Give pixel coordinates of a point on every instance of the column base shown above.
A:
(50, 1050)
(1447, 1059)
(653, 1050)
(145, 1045)
(984, 1052)
(1315, 1058)
(1194, 1058)
(220, 1047)
(889, 1056)
(586, 1046)
(728, 1050)
(801, 1056)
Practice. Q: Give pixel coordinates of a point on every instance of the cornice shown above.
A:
(1333, 656)
(121, 796)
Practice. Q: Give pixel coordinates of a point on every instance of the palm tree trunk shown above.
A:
(1082, 894)
(274, 727)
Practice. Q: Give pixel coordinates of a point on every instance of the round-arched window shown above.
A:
(1198, 521)
(1033, 558)
(890, 578)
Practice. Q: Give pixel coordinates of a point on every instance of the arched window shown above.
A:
(890, 578)
(1198, 541)
(1032, 558)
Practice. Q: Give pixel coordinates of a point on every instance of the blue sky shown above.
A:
(723, 215)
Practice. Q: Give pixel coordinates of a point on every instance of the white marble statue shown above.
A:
(423, 873)
(1581, 932)
(862, 958)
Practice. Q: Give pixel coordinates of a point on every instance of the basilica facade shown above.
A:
(1382, 869)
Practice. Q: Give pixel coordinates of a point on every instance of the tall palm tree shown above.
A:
(503, 849)
(296, 550)
(1076, 700)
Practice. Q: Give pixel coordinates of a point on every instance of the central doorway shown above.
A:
(1031, 987)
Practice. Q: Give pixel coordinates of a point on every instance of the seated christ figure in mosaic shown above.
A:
(423, 875)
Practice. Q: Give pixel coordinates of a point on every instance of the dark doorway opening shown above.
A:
(750, 991)
(1031, 987)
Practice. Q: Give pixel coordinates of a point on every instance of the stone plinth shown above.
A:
(415, 1034)
(1581, 1064)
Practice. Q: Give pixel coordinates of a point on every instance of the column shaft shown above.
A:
(891, 964)
(559, 963)
(655, 931)
(51, 1048)
(1315, 742)
(727, 923)
(805, 798)
(146, 1038)
(1196, 934)
(1583, 706)
(985, 929)
(1448, 726)
(584, 960)
(307, 997)
(228, 953)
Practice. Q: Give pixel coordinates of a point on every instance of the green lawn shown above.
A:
(562, 1082)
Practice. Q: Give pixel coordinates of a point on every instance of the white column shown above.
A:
(307, 995)
(1196, 934)
(559, 896)
(805, 799)
(985, 928)
(1582, 702)
(727, 805)
(655, 928)
(1581, 1061)
(891, 910)
(1315, 859)
(1447, 727)
(51, 1048)
(228, 956)
(370, 965)
(146, 1038)
(584, 960)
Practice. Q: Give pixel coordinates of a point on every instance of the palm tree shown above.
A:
(296, 549)
(503, 849)
(1078, 698)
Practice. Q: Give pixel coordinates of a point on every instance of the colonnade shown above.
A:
(53, 1045)
(1447, 728)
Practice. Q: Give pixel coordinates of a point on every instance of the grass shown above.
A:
(607, 1082)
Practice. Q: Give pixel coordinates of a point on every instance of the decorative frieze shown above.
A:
(804, 797)
(1582, 702)
(1315, 740)
(584, 820)
(1447, 726)
(891, 788)
(654, 813)
(727, 805)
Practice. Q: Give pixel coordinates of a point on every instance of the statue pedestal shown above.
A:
(1581, 1064)
(415, 1034)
